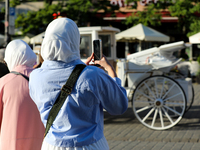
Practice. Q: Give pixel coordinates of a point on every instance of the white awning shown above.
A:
(195, 39)
(142, 33)
(37, 39)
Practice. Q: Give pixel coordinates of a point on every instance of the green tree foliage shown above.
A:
(149, 16)
(83, 12)
(14, 3)
(187, 12)
(80, 10)
(36, 22)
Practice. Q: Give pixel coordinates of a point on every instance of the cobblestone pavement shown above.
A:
(125, 132)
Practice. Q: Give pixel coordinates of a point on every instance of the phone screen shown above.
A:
(97, 49)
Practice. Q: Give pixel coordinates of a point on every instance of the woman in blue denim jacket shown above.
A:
(80, 121)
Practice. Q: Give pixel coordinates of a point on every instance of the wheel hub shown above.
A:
(158, 102)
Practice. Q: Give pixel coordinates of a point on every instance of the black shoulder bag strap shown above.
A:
(65, 91)
(17, 73)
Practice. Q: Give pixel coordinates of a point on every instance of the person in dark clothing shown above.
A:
(3, 69)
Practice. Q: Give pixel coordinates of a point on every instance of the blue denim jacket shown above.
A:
(80, 120)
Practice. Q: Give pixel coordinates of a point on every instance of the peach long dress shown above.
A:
(21, 126)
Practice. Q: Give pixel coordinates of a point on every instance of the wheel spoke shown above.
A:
(174, 104)
(162, 88)
(167, 115)
(161, 118)
(144, 108)
(172, 96)
(145, 95)
(156, 87)
(150, 112)
(168, 91)
(172, 110)
(150, 90)
(148, 102)
(154, 117)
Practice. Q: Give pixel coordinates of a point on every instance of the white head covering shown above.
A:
(61, 41)
(18, 53)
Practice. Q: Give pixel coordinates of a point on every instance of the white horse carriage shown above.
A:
(159, 97)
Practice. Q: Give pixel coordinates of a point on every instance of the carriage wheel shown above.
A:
(190, 102)
(178, 75)
(156, 99)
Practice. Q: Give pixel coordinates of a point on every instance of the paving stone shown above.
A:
(141, 145)
(188, 146)
(177, 146)
(131, 145)
(168, 146)
(196, 146)
(158, 146)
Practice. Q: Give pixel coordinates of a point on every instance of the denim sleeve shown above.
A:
(113, 96)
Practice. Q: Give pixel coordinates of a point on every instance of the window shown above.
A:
(106, 44)
(85, 46)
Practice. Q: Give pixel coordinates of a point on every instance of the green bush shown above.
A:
(198, 72)
(198, 59)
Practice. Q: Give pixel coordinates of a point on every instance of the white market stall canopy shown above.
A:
(37, 39)
(142, 33)
(195, 39)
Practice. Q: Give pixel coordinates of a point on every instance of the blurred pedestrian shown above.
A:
(79, 123)
(20, 123)
(40, 62)
(3, 69)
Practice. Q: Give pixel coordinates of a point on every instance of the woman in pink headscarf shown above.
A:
(20, 124)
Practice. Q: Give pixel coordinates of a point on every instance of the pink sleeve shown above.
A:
(1, 105)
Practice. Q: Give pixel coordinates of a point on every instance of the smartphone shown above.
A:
(97, 45)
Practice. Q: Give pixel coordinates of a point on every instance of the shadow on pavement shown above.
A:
(127, 117)
(190, 121)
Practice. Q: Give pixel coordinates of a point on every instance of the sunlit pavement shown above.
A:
(125, 132)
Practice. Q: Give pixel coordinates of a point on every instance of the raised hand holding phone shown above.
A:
(104, 63)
